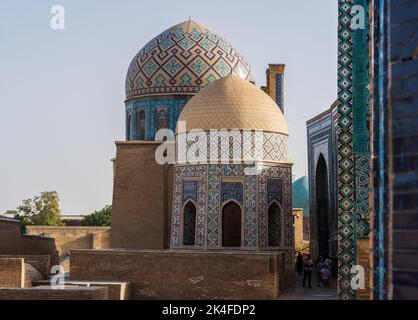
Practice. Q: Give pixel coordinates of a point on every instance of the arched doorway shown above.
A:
(128, 127)
(189, 224)
(274, 225)
(141, 125)
(322, 207)
(231, 225)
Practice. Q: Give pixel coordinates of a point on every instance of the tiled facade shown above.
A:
(219, 184)
(395, 164)
(241, 176)
(146, 116)
(251, 146)
(322, 142)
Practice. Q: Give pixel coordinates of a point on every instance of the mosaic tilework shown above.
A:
(215, 173)
(277, 173)
(250, 217)
(275, 190)
(275, 147)
(182, 60)
(189, 190)
(280, 91)
(189, 224)
(346, 190)
(199, 174)
(360, 124)
(151, 107)
(259, 146)
(232, 191)
(381, 156)
(362, 195)
(274, 223)
(216, 185)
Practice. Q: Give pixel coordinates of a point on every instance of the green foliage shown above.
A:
(100, 218)
(24, 221)
(42, 210)
(11, 212)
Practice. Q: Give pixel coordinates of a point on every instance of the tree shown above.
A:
(100, 218)
(11, 212)
(41, 210)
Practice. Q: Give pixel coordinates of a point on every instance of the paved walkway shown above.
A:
(314, 293)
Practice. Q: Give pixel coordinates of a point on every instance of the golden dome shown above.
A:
(233, 103)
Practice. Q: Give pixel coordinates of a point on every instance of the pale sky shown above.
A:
(62, 91)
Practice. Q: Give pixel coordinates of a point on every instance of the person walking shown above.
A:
(319, 265)
(307, 271)
(299, 263)
(325, 273)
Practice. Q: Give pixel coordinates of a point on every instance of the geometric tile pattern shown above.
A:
(236, 145)
(346, 188)
(189, 190)
(189, 224)
(275, 190)
(362, 195)
(144, 126)
(232, 191)
(218, 184)
(274, 232)
(250, 217)
(182, 60)
(215, 174)
(182, 174)
(275, 147)
(361, 110)
(271, 175)
(280, 91)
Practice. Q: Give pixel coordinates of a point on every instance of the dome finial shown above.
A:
(188, 23)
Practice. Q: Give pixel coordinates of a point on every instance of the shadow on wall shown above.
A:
(71, 238)
(13, 242)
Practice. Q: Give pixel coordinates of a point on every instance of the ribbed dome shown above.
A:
(233, 103)
(182, 60)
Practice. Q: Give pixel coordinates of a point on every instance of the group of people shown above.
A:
(306, 266)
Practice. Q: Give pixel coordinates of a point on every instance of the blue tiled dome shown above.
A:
(182, 60)
(300, 195)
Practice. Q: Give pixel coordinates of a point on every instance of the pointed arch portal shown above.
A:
(189, 224)
(322, 207)
(274, 225)
(231, 225)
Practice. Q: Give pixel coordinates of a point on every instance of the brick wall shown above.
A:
(300, 244)
(12, 242)
(363, 259)
(69, 238)
(182, 274)
(41, 262)
(31, 274)
(271, 74)
(403, 132)
(12, 273)
(142, 197)
(116, 290)
(46, 293)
